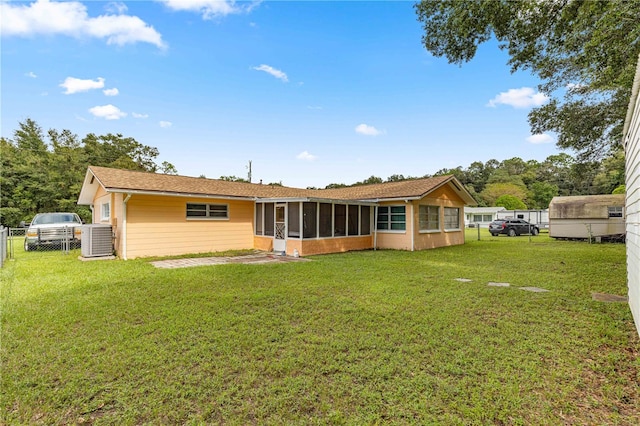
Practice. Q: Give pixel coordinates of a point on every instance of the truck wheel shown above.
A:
(535, 232)
(511, 232)
(494, 235)
(28, 247)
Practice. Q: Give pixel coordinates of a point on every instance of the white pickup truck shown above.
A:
(53, 230)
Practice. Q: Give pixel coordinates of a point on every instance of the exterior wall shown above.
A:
(157, 226)
(469, 212)
(262, 243)
(329, 245)
(585, 228)
(443, 197)
(632, 148)
(396, 240)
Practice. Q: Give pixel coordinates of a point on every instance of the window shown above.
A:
(208, 211)
(268, 219)
(293, 227)
(365, 220)
(259, 228)
(340, 222)
(391, 218)
(487, 218)
(105, 211)
(309, 220)
(326, 220)
(429, 218)
(451, 218)
(615, 211)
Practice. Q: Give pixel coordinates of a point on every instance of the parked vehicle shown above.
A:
(512, 227)
(52, 230)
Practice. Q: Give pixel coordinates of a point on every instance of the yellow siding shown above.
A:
(330, 245)
(263, 243)
(116, 220)
(157, 226)
(442, 197)
(397, 240)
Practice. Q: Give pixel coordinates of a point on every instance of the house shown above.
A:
(160, 215)
(587, 216)
(480, 216)
(631, 134)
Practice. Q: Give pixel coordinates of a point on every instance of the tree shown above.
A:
(620, 190)
(168, 168)
(510, 202)
(541, 194)
(493, 191)
(236, 179)
(583, 51)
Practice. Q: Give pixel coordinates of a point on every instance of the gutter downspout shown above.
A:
(124, 226)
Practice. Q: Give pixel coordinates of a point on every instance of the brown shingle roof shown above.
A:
(123, 180)
(116, 180)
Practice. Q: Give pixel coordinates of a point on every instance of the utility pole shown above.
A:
(249, 174)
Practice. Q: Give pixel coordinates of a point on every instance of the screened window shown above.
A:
(615, 211)
(391, 218)
(451, 218)
(326, 220)
(268, 219)
(429, 217)
(293, 227)
(353, 220)
(310, 220)
(340, 222)
(106, 211)
(259, 228)
(365, 220)
(208, 211)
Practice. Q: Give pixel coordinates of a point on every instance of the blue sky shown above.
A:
(311, 92)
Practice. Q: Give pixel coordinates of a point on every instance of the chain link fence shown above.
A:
(63, 239)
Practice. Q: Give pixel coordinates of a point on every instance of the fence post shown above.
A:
(3, 244)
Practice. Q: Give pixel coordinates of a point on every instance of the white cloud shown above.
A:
(108, 112)
(365, 129)
(540, 139)
(306, 156)
(525, 97)
(137, 115)
(116, 7)
(76, 85)
(31, 74)
(111, 92)
(274, 72)
(165, 124)
(71, 19)
(210, 9)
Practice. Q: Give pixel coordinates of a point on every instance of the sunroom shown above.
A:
(306, 226)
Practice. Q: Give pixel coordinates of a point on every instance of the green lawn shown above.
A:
(356, 338)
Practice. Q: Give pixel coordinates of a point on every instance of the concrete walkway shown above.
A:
(222, 260)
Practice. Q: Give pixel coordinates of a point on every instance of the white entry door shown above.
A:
(280, 234)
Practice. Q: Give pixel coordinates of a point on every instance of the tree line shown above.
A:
(45, 171)
(518, 184)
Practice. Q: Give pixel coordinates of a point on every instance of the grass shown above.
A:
(355, 338)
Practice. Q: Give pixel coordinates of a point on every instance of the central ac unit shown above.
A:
(97, 240)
